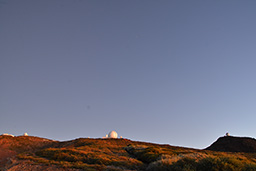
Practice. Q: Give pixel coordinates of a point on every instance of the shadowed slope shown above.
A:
(234, 144)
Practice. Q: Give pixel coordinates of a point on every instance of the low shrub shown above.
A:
(144, 154)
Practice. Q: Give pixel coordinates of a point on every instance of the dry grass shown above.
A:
(122, 154)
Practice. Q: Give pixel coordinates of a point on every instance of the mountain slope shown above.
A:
(39, 154)
(11, 146)
(234, 144)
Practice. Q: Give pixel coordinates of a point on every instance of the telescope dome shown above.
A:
(112, 134)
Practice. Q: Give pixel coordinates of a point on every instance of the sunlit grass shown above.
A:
(123, 154)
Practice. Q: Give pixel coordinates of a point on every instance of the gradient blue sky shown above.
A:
(173, 72)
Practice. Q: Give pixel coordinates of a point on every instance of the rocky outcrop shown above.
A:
(234, 144)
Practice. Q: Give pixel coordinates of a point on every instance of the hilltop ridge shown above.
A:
(234, 144)
(40, 154)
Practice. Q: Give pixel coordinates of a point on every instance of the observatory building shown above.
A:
(112, 134)
(5, 134)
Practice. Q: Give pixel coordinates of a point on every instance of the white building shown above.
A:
(5, 134)
(113, 134)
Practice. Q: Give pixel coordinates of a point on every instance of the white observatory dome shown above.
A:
(112, 134)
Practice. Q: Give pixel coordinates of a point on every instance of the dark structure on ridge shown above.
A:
(234, 144)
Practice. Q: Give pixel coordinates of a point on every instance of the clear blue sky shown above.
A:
(169, 71)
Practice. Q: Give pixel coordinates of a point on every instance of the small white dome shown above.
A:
(25, 134)
(112, 134)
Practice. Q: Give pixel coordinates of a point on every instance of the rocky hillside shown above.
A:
(234, 144)
(38, 154)
(10, 147)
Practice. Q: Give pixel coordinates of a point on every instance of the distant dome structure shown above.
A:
(5, 134)
(25, 134)
(112, 134)
(227, 134)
